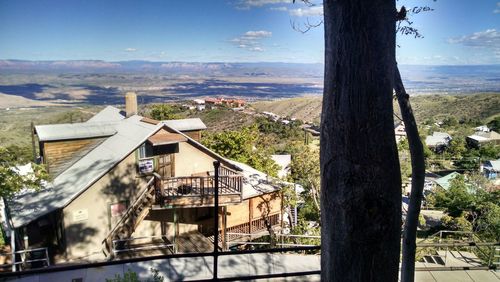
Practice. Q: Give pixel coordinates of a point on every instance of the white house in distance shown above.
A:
(283, 161)
(438, 141)
(481, 138)
(491, 169)
(399, 131)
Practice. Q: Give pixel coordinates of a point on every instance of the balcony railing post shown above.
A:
(216, 217)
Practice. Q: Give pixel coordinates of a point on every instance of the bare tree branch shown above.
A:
(305, 27)
(417, 180)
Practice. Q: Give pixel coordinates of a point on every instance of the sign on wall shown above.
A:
(118, 209)
(146, 166)
(80, 215)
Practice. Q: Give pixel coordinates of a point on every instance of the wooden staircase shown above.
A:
(131, 219)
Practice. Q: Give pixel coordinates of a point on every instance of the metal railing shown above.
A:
(229, 183)
(27, 257)
(108, 241)
(140, 244)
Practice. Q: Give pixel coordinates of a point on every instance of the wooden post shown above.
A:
(223, 228)
(216, 218)
(250, 214)
(33, 146)
(13, 247)
(176, 230)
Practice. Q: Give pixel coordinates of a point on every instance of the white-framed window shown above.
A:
(145, 151)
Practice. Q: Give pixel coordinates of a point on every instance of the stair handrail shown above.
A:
(129, 210)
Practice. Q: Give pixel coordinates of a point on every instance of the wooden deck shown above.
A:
(199, 190)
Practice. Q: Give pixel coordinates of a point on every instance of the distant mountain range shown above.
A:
(102, 80)
(98, 66)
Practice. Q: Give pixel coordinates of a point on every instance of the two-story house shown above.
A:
(122, 184)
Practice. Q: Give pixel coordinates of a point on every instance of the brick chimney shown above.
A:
(130, 104)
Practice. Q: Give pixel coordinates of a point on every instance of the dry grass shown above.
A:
(479, 106)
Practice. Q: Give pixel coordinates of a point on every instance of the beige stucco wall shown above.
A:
(86, 219)
(239, 214)
(190, 160)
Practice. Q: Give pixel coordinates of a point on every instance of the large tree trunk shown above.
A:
(360, 177)
(417, 181)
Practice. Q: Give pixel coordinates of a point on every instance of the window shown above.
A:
(115, 212)
(145, 151)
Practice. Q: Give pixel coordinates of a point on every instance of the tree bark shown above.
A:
(417, 180)
(360, 177)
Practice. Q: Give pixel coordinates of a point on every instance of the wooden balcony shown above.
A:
(199, 191)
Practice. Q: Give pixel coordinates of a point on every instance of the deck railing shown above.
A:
(230, 183)
(256, 225)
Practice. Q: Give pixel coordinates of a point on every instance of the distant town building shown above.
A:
(482, 128)
(399, 131)
(213, 101)
(233, 103)
(444, 181)
(199, 101)
(438, 141)
(283, 161)
(491, 169)
(199, 104)
(481, 138)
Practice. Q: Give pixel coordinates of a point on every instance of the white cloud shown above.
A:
(247, 4)
(489, 38)
(310, 11)
(307, 12)
(130, 49)
(251, 40)
(256, 49)
(497, 9)
(283, 9)
(486, 44)
(257, 34)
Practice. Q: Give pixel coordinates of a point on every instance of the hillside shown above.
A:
(479, 106)
(303, 108)
(15, 123)
(12, 101)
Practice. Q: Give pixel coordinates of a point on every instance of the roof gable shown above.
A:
(68, 185)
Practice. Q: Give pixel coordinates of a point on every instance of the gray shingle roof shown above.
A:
(187, 124)
(130, 133)
(438, 138)
(108, 114)
(75, 130)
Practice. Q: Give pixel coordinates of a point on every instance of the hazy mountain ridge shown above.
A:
(100, 82)
(100, 66)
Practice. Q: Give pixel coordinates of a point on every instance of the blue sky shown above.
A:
(456, 32)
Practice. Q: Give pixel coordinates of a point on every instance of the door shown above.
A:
(166, 165)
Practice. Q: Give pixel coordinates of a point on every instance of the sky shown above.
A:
(456, 31)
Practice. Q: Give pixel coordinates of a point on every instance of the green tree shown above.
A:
(11, 181)
(305, 170)
(456, 199)
(457, 148)
(489, 152)
(242, 146)
(450, 121)
(164, 112)
(494, 124)
(471, 205)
